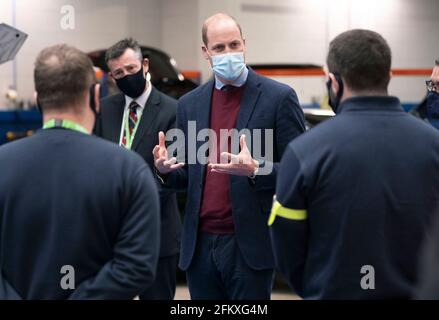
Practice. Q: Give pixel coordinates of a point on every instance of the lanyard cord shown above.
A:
(128, 137)
(66, 124)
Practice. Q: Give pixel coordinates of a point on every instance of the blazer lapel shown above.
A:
(203, 109)
(150, 112)
(249, 100)
(116, 118)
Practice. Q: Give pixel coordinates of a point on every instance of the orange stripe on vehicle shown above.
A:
(319, 72)
(191, 74)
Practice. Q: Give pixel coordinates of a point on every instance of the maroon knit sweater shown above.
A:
(216, 207)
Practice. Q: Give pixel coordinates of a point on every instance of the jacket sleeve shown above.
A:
(289, 222)
(428, 282)
(177, 180)
(7, 292)
(136, 250)
(290, 123)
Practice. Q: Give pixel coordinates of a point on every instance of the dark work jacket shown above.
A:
(71, 199)
(369, 181)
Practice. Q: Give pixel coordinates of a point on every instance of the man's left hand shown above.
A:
(240, 165)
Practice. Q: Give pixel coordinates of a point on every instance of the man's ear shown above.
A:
(205, 53)
(245, 49)
(435, 74)
(335, 86)
(37, 103)
(97, 97)
(390, 74)
(145, 65)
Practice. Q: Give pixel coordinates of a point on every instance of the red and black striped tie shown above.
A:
(132, 120)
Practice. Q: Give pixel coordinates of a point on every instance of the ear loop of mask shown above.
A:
(336, 102)
(38, 105)
(92, 98)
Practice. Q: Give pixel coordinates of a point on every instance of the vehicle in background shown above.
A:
(163, 71)
(306, 79)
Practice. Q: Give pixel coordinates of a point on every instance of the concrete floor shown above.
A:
(182, 293)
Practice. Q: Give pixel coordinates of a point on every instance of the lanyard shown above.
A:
(128, 137)
(66, 124)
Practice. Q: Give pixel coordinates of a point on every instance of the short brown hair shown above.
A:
(62, 75)
(119, 48)
(204, 29)
(362, 58)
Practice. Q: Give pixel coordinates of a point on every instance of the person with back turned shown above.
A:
(356, 194)
(432, 99)
(79, 216)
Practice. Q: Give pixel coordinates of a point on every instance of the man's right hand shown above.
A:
(161, 161)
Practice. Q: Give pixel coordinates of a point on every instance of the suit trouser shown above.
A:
(218, 272)
(163, 287)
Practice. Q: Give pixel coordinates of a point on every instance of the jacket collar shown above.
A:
(370, 103)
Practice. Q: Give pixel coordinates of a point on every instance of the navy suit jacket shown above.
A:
(67, 198)
(159, 115)
(266, 104)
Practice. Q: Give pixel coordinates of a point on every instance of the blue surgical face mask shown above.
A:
(228, 66)
(433, 104)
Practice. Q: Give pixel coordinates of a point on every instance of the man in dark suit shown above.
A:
(226, 250)
(133, 119)
(79, 216)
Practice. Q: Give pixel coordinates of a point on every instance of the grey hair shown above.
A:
(118, 49)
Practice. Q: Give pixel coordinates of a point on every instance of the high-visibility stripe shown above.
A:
(287, 213)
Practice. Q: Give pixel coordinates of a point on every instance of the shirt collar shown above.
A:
(238, 82)
(142, 99)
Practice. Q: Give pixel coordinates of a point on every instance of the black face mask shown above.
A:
(433, 104)
(334, 101)
(132, 85)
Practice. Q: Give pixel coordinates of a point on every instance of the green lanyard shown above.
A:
(128, 137)
(66, 124)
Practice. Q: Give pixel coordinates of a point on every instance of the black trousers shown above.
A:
(164, 284)
(219, 272)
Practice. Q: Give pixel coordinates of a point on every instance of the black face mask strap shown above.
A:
(340, 86)
(38, 105)
(92, 99)
(334, 102)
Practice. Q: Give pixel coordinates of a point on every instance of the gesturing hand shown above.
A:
(161, 161)
(241, 165)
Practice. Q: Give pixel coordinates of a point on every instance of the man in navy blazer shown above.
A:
(79, 216)
(226, 250)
